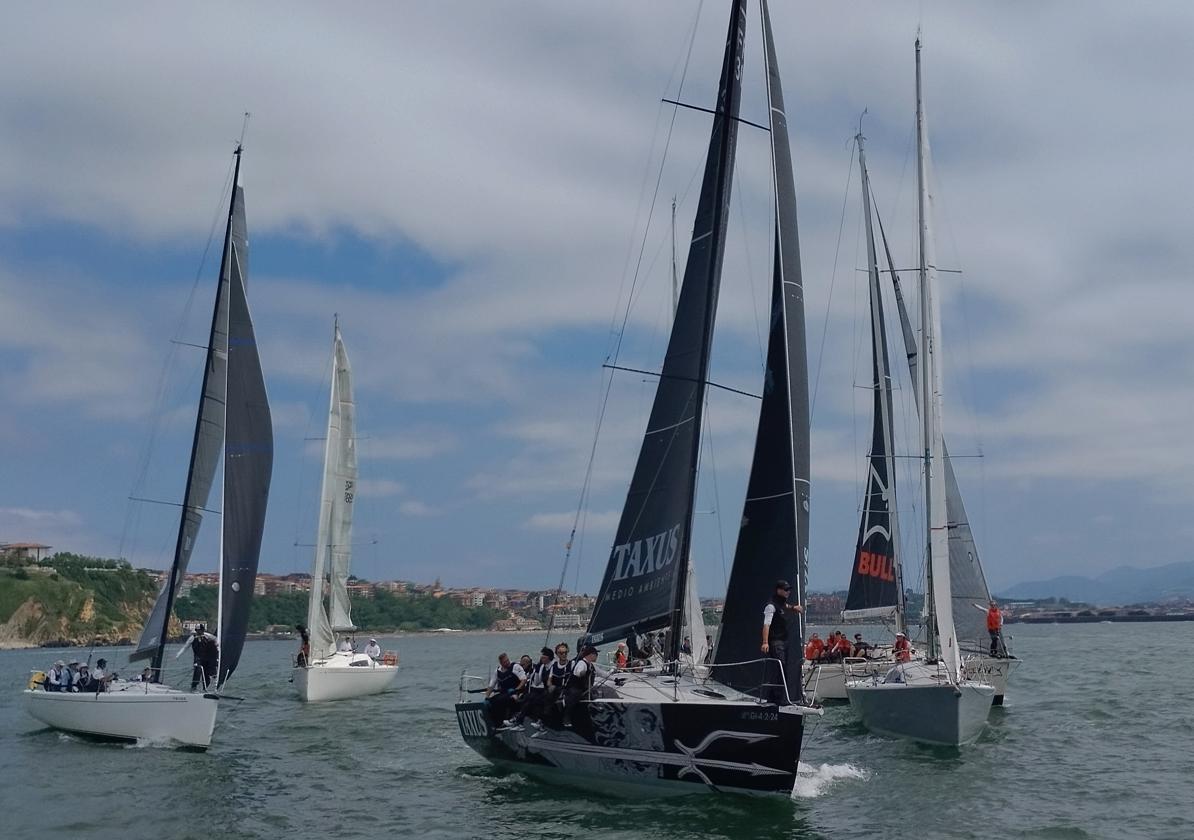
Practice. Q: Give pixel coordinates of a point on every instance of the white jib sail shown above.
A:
(341, 485)
(694, 618)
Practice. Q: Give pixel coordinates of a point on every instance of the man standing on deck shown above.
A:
(775, 641)
(206, 653)
(995, 628)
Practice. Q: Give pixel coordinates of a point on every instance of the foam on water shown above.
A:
(812, 781)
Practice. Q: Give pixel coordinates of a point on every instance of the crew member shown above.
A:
(206, 653)
(861, 648)
(54, 676)
(841, 646)
(534, 702)
(901, 648)
(815, 648)
(373, 649)
(345, 645)
(304, 655)
(508, 678)
(70, 676)
(775, 642)
(99, 675)
(995, 628)
(621, 658)
(579, 682)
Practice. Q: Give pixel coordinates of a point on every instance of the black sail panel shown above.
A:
(874, 577)
(201, 472)
(248, 459)
(644, 580)
(773, 538)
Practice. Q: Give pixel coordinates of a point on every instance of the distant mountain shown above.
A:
(1116, 587)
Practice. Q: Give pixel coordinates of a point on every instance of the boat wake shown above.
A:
(812, 781)
(150, 743)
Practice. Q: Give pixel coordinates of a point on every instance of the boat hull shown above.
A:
(827, 681)
(337, 678)
(671, 747)
(992, 670)
(129, 712)
(940, 714)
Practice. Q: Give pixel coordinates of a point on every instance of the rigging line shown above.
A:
(173, 504)
(832, 281)
(708, 382)
(715, 113)
(750, 275)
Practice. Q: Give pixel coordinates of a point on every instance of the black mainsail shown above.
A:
(875, 580)
(643, 586)
(773, 539)
(248, 453)
(968, 584)
(205, 456)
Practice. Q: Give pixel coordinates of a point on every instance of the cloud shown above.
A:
(380, 488)
(414, 507)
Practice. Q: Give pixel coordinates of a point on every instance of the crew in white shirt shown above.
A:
(373, 649)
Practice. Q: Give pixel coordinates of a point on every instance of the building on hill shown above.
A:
(23, 550)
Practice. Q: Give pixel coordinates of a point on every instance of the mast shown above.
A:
(942, 641)
(188, 526)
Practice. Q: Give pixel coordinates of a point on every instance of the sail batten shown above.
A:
(773, 537)
(644, 583)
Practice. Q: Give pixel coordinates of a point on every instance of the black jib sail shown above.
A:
(248, 454)
(643, 586)
(201, 472)
(875, 578)
(773, 540)
(968, 584)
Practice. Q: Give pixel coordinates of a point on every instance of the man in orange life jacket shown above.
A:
(815, 648)
(775, 643)
(995, 628)
(903, 650)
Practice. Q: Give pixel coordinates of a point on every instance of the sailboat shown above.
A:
(933, 700)
(738, 727)
(332, 674)
(876, 580)
(234, 416)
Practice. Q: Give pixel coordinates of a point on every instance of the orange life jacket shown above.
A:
(813, 649)
(902, 650)
(994, 619)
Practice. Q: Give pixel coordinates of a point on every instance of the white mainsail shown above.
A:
(333, 545)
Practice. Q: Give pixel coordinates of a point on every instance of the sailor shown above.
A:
(373, 649)
(70, 675)
(995, 628)
(535, 701)
(205, 652)
(579, 682)
(775, 641)
(861, 648)
(345, 645)
(686, 646)
(903, 650)
(815, 648)
(841, 646)
(84, 681)
(99, 675)
(146, 674)
(506, 681)
(304, 654)
(54, 676)
(708, 649)
(621, 658)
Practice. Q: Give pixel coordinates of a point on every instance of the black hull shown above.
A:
(685, 747)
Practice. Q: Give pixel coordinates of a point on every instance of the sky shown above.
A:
(482, 192)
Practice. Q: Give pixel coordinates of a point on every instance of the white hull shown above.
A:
(994, 671)
(827, 681)
(338, 678)
(924, 706)
(129, 711)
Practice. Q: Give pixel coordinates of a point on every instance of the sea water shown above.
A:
(1096, 740)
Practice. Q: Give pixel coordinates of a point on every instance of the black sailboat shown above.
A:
(696, 727)
(234, 417)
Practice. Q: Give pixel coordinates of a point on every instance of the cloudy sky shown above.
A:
(483, 192)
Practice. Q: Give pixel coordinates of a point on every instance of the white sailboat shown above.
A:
(330, 673)
(233, 417)
(931, 701)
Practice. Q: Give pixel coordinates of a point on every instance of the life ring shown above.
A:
(37, 680)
